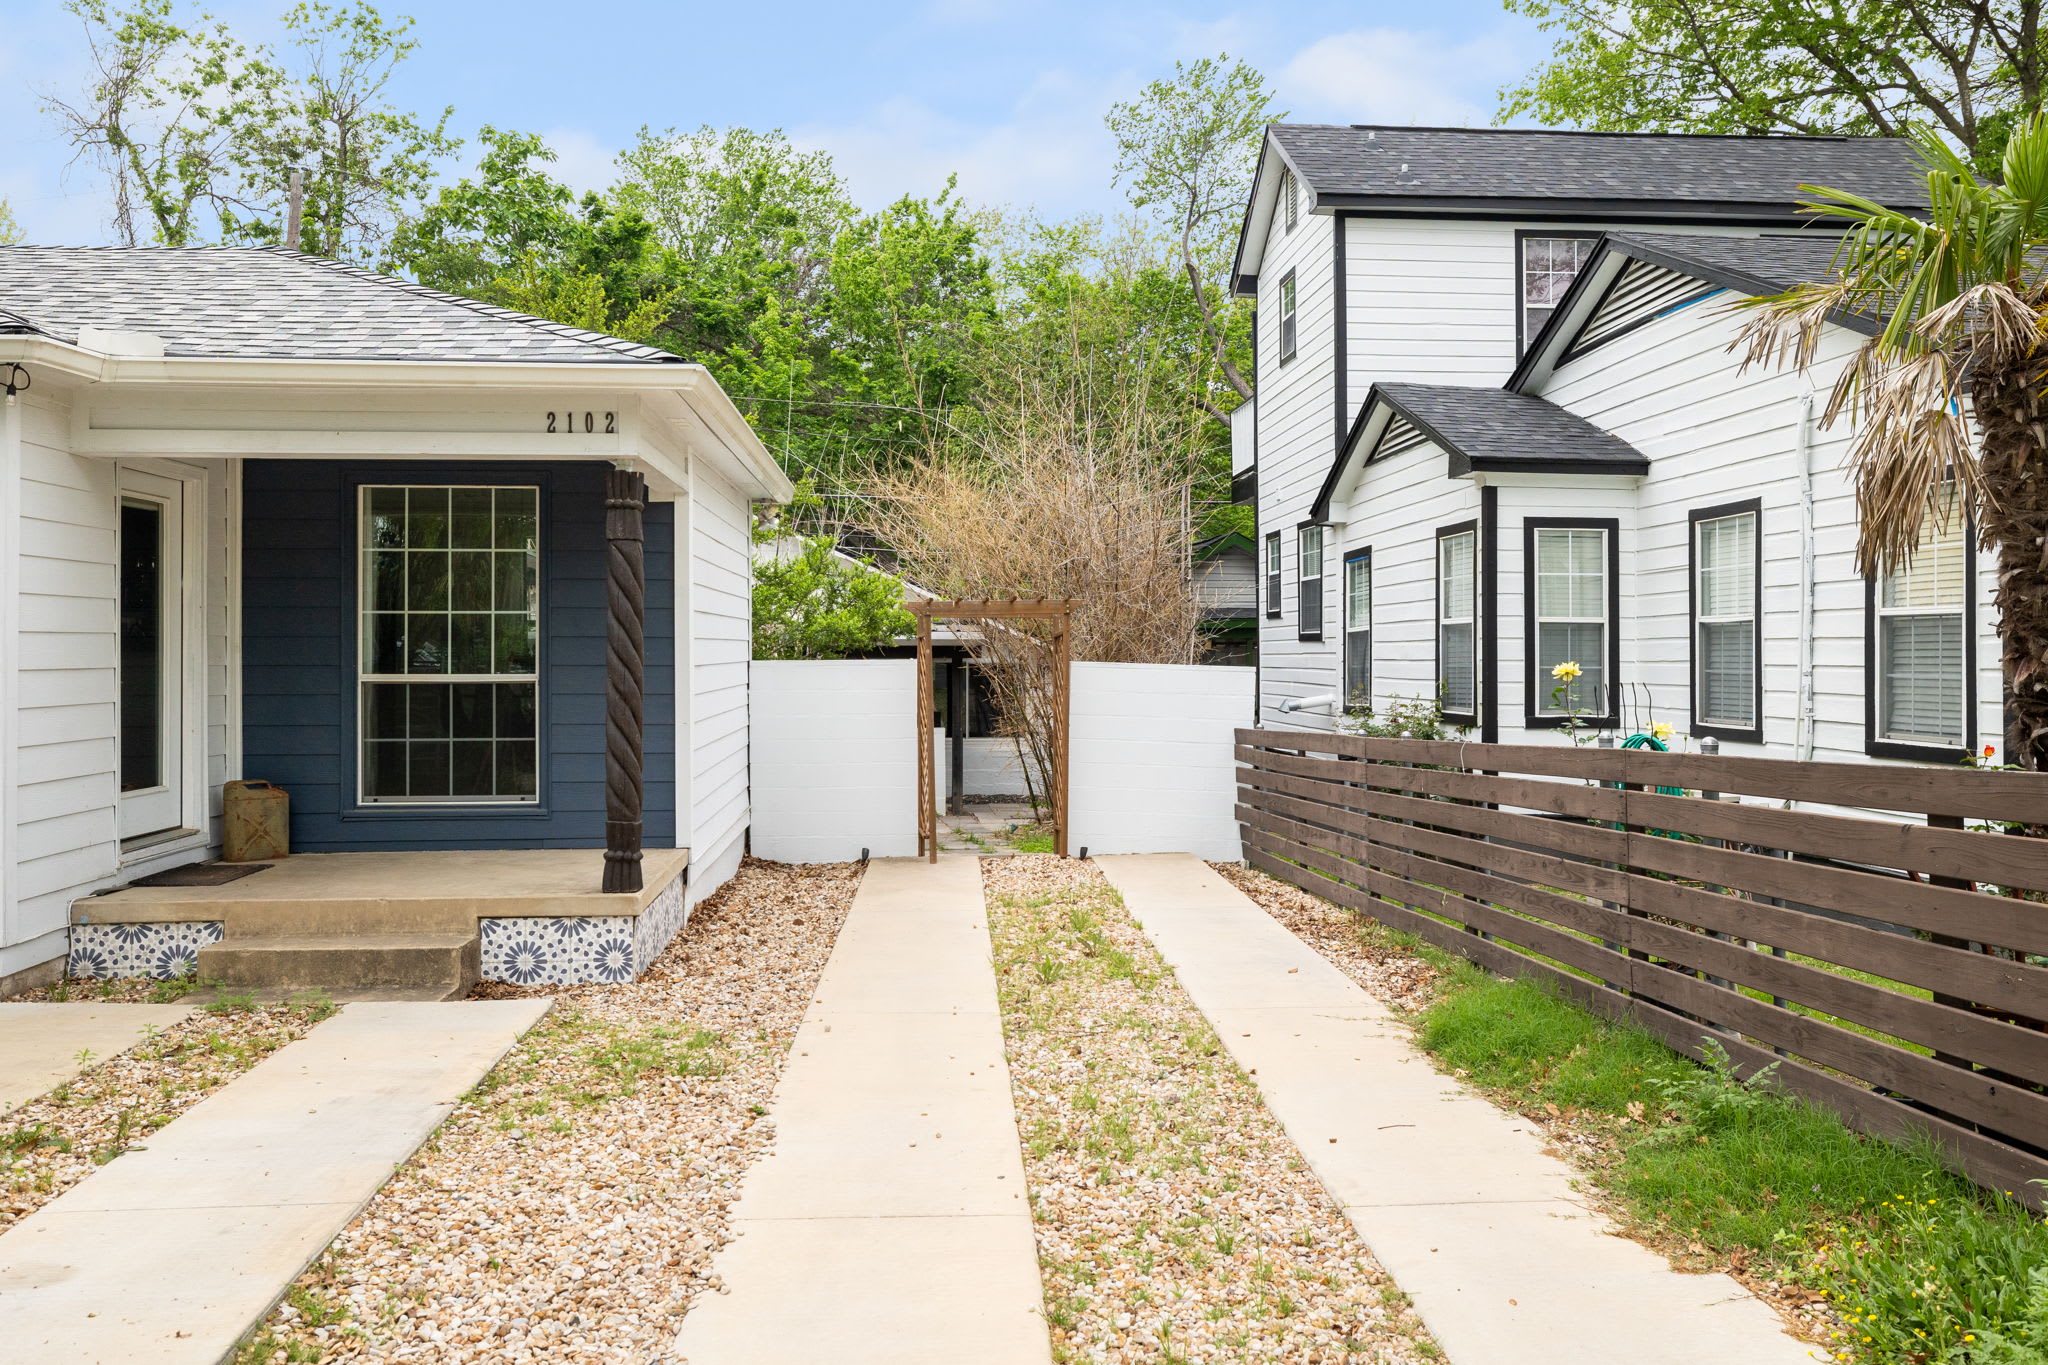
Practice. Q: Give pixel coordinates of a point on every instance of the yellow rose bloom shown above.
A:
(1566, 671)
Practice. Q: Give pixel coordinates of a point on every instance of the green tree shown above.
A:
(1953, 391)
(819, 604)
(10, 231)
(198, 132)
(1187, 149)
(1972, 68)
(510, 214)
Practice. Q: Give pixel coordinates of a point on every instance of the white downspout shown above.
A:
(1804, 742)
(10, 657)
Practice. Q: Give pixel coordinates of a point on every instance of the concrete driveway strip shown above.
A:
(40, 1043)
(1457, 1199)
(890, 1224)
(169, 1254)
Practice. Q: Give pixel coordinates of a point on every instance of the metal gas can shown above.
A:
(256, 822)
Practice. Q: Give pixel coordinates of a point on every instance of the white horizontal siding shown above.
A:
(720, 624)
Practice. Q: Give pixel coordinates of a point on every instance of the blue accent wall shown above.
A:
(299, 637)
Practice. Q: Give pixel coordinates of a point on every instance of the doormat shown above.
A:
(200, 874)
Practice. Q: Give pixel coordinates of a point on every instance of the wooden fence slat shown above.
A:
(1973, 793)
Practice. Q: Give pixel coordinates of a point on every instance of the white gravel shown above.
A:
(568, 1209)
(1176, 1221)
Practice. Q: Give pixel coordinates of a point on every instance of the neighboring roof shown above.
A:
(271, 304)
(1224, 544)
(1489, 429)
(1364, 164)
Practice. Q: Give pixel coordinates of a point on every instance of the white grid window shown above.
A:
(448, 665)
(1549, 265)
(1457, 660)
(1287, 316)
(1725, 625)
(1922, 642)
(1571, 618)
(1272, 573)
(1309, 581)
(1358, 630)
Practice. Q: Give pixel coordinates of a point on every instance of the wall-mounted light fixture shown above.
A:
(17, 379)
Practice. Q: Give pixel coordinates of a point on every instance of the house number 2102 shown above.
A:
(565, 422)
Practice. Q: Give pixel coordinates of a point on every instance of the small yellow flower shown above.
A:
(1566, 671)
(1660, 731)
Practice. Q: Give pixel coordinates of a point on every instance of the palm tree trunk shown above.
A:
(2012, 420)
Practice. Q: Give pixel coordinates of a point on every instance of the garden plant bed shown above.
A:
(52, 1143)
(569, 1208)
(1176, 1221)
(1867, 1248)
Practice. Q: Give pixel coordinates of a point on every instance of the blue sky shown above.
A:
(1007, 93)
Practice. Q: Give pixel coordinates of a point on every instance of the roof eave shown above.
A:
(1673, 211)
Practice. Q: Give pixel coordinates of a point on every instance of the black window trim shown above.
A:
(1363, 552)
(1301, 629)
(1270, 569)
(1877, 747)
(1282, 315)
(1522, 235)
(1533, 685)
(1755, 508)
(1436, 620)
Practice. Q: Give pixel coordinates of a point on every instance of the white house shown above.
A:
(271, 517)
(1500, 427)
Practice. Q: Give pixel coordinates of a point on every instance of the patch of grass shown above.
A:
(1921, 1265)
(1035, 837)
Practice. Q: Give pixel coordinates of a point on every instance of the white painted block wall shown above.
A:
(834, 759)
(992, 766)
(1151, 767)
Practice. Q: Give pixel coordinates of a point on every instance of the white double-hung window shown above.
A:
(1288, 317)
(1726, 681)
(1571, 618)
(1358, 629)
(1922, 647)
(1309, 582)
(1457, 633)
(448, 663)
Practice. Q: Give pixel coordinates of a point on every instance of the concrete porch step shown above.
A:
(440, 966)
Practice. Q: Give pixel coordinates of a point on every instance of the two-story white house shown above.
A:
(1499, 427)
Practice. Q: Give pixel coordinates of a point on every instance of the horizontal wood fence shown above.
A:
(1657, 888)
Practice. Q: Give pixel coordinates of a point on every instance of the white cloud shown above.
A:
(582, 162)
(1389, 75)
(1050, 150)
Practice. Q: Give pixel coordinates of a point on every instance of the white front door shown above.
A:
(151, 556)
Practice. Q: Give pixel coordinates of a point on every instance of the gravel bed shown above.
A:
(1176, 1221)
(1396, 976)
(568, 1209)
(50, 1144)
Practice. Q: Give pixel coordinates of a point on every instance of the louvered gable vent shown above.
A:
(1642, 292)
(1400, 435)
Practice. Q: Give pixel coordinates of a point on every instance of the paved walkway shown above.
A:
(40, 1043)
(168, 1255)
(890, 1225)
(987, 828)
(1457, 1199)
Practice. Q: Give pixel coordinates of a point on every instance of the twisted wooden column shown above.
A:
(625, 675)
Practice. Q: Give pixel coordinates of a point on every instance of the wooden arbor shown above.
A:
(1058, 611)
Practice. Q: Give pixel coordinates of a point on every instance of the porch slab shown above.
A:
(422, 891)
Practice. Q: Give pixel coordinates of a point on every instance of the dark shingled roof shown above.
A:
(1359, 163)
(1492, 428)
(1752, 265)
(271, 304)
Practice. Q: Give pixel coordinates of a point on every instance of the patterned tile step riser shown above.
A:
(564, 951)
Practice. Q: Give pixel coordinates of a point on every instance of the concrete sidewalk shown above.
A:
(1506, 1264)
(40, 1042)
(890, 1225)
(168, 1255)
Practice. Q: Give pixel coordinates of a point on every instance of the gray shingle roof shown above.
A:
(267, 303)
(1491, 428)
(1769, 264)
(1486, 428)
(1357, 162)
